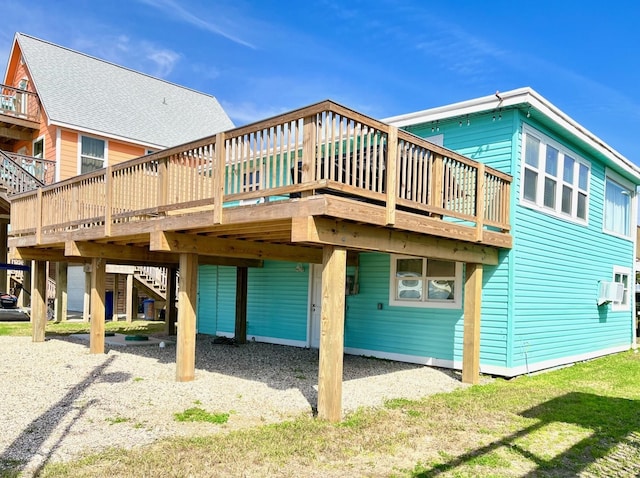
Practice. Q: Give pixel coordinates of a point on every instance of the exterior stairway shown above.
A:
(19, 173)
(153, 280)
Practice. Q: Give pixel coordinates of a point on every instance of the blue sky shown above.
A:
(383, 58)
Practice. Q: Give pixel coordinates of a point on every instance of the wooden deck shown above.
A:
(314, 185)
(316, 175)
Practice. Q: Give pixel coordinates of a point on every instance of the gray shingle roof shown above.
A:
(84, 92)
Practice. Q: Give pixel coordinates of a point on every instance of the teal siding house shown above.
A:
(563, 292)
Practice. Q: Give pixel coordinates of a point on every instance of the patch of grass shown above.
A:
(138, 379)
(197, 414)
(581, 420)
(116, 419)
(75, 327)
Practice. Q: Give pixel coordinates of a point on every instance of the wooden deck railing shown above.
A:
(19, 103)
(324, 148)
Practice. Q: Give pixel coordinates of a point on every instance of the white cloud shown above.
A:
(174, 10)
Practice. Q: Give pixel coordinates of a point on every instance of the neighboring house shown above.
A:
(64, 113)
(325, 228)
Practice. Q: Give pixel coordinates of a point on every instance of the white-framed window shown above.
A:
(38, 148)
(622, 275)
(618, 196)
(554, 179)
(423, 282)
(92, 154)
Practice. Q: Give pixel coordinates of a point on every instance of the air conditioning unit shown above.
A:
(610, 292)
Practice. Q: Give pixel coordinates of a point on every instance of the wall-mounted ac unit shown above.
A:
(610, 292)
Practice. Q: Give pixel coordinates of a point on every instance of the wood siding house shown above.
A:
(63, 113)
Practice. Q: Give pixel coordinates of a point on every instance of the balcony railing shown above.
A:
(19, 103)
(324, 148)
(19, 169)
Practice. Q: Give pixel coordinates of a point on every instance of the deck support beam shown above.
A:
(61, 291)
(186, 341)
(131, 304)
(39, 301)
(472, 312)
(171, 313)
(334, 269)
(242, 275)
(98, 281)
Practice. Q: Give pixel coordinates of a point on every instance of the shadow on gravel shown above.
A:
(612, 447)
(33, 437)
(279, 366)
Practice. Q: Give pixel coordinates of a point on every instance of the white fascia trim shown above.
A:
(102, 134)
(513, 98)
(548, 364)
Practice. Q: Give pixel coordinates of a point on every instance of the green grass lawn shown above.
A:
(582, 420)
(76, 327)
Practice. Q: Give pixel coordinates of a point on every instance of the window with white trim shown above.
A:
(618, 195)
(423, 282)
(38, 148)
(554, 179)
(92, 154)
(622, 275)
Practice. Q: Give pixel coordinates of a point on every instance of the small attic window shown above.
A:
(23, 84)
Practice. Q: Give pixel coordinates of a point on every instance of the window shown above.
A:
(92, 154)
(38, 148)
(421, 282)
(554, 179)
(617, 205)
(621, 275)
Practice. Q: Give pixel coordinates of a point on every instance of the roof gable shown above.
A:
(92, 95)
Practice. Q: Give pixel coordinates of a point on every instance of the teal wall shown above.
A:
(216, 299)
(558, 264)
(277, 301)
(491, 141)
(398, 330)
(539, 303)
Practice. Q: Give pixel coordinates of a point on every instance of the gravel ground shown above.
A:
(59, 401)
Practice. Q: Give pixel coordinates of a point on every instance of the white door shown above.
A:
(316, 303)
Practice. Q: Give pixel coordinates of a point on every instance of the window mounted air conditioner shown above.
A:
(610, 292)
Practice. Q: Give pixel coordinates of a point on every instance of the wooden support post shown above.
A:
(163, 182)
(471, 340)
(116, 288)
(131, 307)
(171, 314)
(391, 185)
(38, 213)
(436, 189)
(98, 289)
(108, 192)
(24, 299)
(86, 304)
(3, 254)
(220, 164)
(39, 301)
(242, 275)
(308, 166)
(186, 341)
(61, 291)
(480, 203)
(334, 270)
